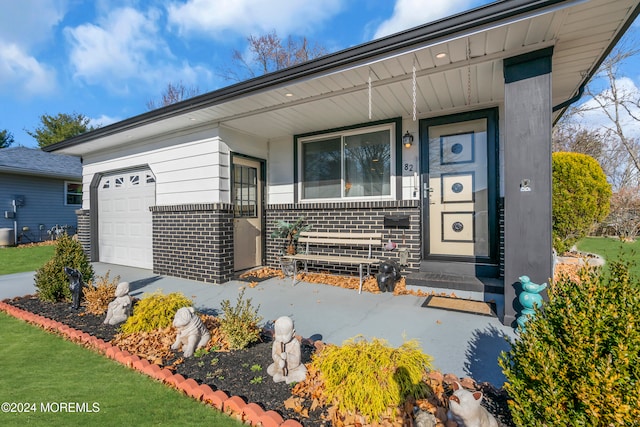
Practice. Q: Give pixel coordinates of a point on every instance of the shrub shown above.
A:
(578, 361)
(239, 324)
(51, 280)
(581, 197)
(98, 296)
(155, 311)
(370, 376)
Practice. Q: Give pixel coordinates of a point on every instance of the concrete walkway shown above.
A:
(461, 344)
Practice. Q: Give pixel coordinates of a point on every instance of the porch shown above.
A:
(461, 344)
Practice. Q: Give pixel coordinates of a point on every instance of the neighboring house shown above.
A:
(38, 191)
(193, 189)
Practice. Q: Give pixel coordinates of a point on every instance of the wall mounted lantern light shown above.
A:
(407, 139)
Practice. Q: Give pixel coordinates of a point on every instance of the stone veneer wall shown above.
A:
(354, 217)
(84, 230)
(194, 241)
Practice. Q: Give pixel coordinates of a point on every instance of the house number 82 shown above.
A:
(408, 167)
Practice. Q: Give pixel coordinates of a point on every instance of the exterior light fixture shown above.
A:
(407, 139)
(441, 55)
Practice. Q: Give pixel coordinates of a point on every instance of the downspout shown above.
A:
(572, 99)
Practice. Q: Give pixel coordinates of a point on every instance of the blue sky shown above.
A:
(107, 58)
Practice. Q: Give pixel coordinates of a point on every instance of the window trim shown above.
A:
(394, 126)
(67, 193)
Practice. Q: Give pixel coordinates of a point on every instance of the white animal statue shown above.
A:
(192, 334)
(119, 309)
(286, 354)
(466, 410)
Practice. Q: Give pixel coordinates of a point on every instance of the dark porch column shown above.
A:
(527, 175)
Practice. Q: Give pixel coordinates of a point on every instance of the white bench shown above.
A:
(311, 239)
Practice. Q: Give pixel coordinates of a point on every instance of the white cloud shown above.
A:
(24, 26)
(411, 13)
(127, 48)
(29, 22)
(243, 17)
(593, 117)
(24, 73)
(103, 120)
(117, 48)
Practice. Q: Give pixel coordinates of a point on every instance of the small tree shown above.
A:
(51, 280)
(269, 53)
(172, 94)
(60, 127)
(624, 218)
(581, 197)
(6, 138)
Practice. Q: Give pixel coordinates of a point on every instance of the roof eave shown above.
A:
(396, 42)
(41, 174)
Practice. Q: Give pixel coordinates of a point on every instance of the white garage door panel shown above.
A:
(124, 219)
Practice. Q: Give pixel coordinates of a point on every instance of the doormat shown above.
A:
(461, 305)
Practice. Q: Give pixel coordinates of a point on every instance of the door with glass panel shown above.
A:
(458, 190)
(247, 222)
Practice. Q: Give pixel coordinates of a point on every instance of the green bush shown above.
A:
(581, 196)
(239, 324)
(51, 280)
(369, 377)
(578, 361)
(155, 311)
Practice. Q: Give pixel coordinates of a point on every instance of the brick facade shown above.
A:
(193, 241)
(354, 217)
(84, 230)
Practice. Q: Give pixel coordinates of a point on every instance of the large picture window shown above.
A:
(352, 164)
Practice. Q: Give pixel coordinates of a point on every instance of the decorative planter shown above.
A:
(288, 266)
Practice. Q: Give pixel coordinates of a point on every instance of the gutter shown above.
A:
(573, 99)
(596, 67)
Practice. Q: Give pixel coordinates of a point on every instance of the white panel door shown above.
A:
(458, 190)
(124, 218)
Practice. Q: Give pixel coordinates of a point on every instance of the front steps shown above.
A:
(459, 279)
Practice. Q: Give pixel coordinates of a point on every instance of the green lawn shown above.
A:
(19, 259)
(43, 372)
(613, 249)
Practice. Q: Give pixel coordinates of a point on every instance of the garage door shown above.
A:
(124, 219)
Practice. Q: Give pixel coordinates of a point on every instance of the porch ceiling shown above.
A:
(470, 75)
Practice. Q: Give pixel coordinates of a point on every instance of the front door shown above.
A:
(247, 222)
(459, 188)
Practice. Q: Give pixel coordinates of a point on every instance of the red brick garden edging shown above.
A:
(234, 406)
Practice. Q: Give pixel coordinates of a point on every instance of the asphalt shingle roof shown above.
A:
(30, 161)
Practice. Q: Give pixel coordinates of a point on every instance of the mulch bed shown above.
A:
(240, 373)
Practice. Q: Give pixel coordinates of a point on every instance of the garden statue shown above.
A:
(424, 418)
(286, 354)
(75, 285)
(192, 334)
(389, 274)
(529, 298)
(466, 410)
(120, 308)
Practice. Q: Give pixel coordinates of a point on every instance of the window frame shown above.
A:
(67, 193)
(394, 128)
